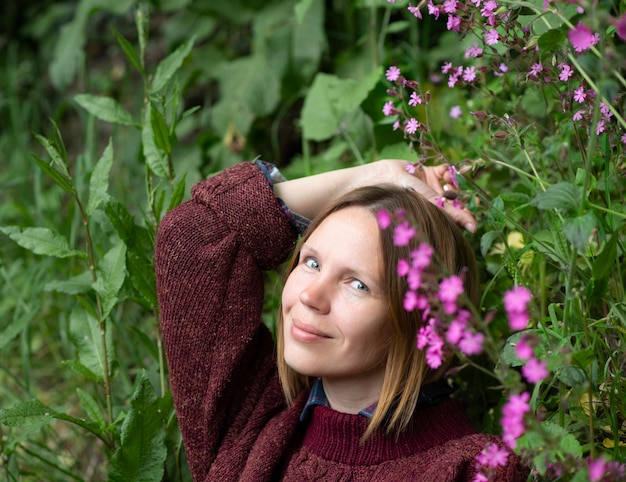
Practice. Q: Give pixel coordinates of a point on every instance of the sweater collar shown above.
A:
(336, 436)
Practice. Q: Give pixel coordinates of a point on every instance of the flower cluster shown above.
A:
(447, 323)
(496, 25)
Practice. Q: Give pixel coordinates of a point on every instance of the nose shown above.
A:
(316, 295)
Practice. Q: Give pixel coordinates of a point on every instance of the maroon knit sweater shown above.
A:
(210, 256)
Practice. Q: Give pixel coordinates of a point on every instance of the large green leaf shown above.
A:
(563, 195)
(99, 181)
(105, 108)
(16, 326)
(309, 37)
(168, 67)
(249, 88)
(26, 412)
(142, 451)
(41, 241)
(81, 283)
(577, 230)
(329, 99)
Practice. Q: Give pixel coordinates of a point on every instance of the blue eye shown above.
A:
(359, 286)
(312, 263)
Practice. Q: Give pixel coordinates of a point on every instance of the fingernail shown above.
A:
(470, 227)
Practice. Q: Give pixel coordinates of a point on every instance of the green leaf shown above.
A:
(154, 157)
(56, 176)
(41, 241)
(25, 413)
(80, 369)
(579, 229)
(105, 108)
(606, 259)
(177, 194)
(91, 407)
(142, 452)
(99, 181)
(309, 38)
(563, 195)
(249, 88)
(85, 334)
(329, 99)
(129, 50)
(54, 154)
(551, 40)
(170, 65)
(159, 128)
(81, 283)
(112, 273)
(486, 241)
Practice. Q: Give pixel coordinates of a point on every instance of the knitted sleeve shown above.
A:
(209, 257)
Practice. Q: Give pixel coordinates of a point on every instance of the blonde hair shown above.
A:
(406, 370)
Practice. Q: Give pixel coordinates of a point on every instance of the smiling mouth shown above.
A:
(306, 333)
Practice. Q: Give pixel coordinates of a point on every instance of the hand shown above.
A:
(431, 182)
(308, 195)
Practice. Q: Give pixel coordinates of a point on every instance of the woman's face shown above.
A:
(335, 315)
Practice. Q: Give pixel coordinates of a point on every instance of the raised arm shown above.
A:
(308, 195)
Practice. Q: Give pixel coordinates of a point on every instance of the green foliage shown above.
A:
(112, 110)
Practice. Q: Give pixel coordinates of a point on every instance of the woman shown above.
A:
(346, 395)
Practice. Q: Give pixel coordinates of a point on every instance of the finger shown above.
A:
(463, 217)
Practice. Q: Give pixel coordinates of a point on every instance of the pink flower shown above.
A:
(393, 73)
(578, 115)
(579, 95)
(516, 299)
(449, 6)
(524, 348)
(535, 69)
(512, 420)
(473, 51)
(410, 301)
(403, 233)
(581, 38)
(434, 352)
(471, 343)
(600, 127)
(566, 72)
(620, 27)
(623, 138)
(411, 126)
(489, 8)
(597, 468)
(515, 303)
(449, 290)
(433, 9)
(420, 257)
(388, 108)
(492, 36)
(446, 67)
(605, 111)
(480, 477)
(415, 11)
(493, 456)
(455, 112)
(469, 74)
(396, 125)
(454, 23)
(383, 218)
(455, 331)
(415, 99)
(452, 171)
(409, 167)
(534, 371)
(403, 267)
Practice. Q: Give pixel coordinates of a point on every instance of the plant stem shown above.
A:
(101, 321)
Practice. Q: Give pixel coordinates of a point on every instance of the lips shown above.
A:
(305, 332)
